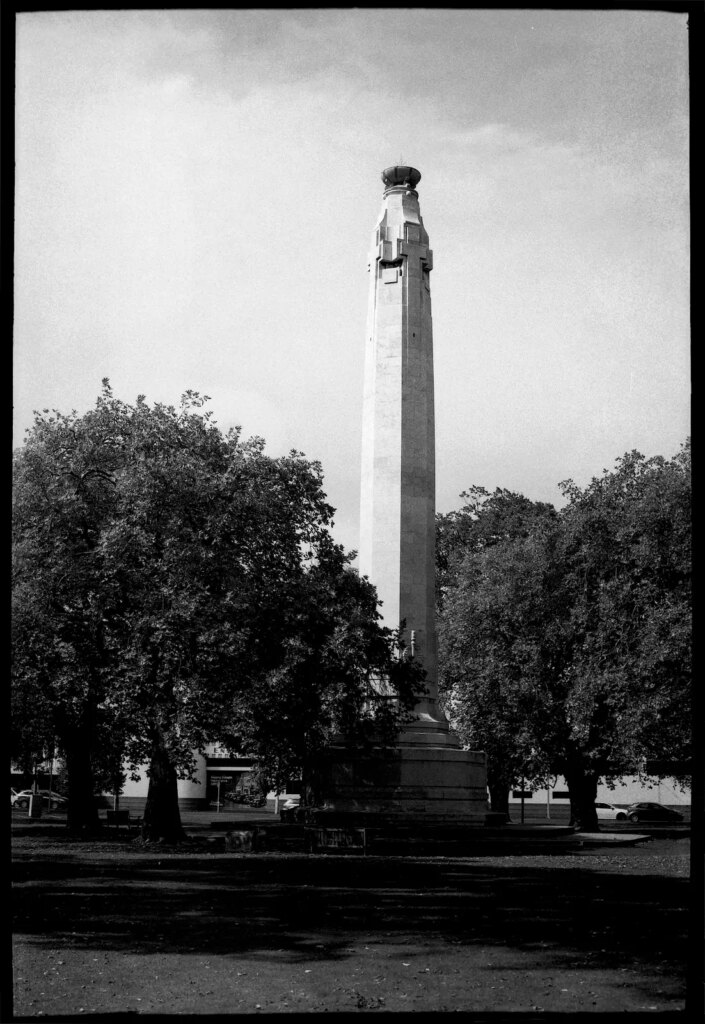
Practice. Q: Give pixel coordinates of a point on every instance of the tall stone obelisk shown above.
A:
(425, 778)
(398, 484)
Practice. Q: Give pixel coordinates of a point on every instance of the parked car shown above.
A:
(54, 800)
(653, 812)
(608, 812)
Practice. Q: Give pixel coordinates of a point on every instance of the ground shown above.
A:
(108, 927)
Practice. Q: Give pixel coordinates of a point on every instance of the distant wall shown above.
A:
(631, 790)
(192, 793)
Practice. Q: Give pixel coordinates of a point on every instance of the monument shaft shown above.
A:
(397, 515)
(424, 778)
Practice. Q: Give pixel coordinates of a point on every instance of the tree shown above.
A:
(184, 571)
(627, 554)
(333, 651)
(484, 521)
(572, 644)
(62, 494)
(481, 549)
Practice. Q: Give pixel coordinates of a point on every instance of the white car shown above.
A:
(608, 812)
(287, 810)
(52, 800)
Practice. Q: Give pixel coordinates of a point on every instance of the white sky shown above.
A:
(196, 192)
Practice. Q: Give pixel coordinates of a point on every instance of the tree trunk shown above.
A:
(82, 814)
(162, 821)
(582, 787)
(499, 795)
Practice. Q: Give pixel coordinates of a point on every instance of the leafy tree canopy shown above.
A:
(484, 521)
(174, 585)
(565, 642)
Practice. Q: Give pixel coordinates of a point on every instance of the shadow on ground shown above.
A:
(297, 908)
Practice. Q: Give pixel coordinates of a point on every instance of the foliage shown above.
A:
(174, 585)
(484, 521)
(565, 643)
(496, 573)
(332, 652)
(627, 551)
(61, 495)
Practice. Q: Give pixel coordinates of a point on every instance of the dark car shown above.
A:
(653, 812)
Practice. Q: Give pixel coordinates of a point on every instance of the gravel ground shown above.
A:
(109, 927)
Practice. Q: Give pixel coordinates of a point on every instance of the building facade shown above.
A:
(660, 789)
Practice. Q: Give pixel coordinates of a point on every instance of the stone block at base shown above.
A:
(241, 841)
(406, 783)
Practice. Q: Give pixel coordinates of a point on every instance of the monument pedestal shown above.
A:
(418, 782)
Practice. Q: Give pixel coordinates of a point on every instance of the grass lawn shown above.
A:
(108, 926)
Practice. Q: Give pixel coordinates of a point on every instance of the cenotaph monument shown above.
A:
(426, 777)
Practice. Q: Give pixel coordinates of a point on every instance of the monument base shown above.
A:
(411, 783)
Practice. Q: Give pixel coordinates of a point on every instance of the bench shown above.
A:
(120, 818)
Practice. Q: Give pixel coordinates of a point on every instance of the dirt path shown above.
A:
(107, 928)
